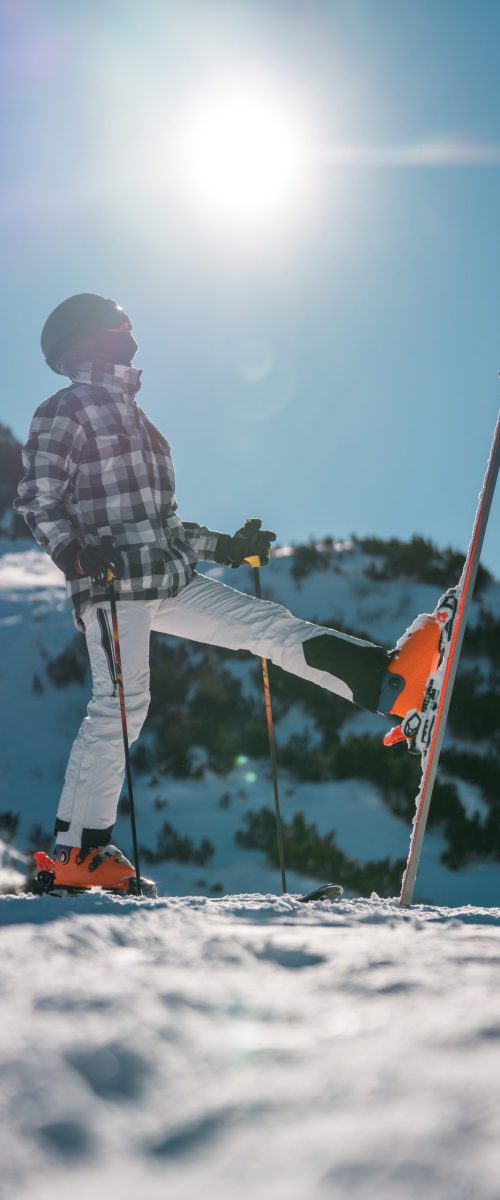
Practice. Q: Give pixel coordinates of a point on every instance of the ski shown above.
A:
(326, 891)
(425, 730)
(44, 884)
(57, 891)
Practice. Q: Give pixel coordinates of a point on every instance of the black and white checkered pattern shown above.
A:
(96, 467)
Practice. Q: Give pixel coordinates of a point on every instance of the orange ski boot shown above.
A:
(412, 681)
(73, 869)
(415, 658)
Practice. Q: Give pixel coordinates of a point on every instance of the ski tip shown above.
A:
(326, 891)
(149, 890)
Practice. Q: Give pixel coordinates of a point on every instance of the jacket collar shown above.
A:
(123, 381)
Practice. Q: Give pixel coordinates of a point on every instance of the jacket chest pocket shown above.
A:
(103, 451)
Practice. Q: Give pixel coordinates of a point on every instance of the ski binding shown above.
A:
(417, 727)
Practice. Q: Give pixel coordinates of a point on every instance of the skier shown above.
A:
(98, 494)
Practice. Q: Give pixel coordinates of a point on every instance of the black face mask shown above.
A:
(114, 346)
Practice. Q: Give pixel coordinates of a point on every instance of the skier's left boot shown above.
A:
(415, 675)
(415, 657)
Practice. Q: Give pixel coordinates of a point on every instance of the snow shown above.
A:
(27, 568)
(13, 867)
(248, 1047)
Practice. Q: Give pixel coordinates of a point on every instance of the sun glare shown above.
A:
(241, 154)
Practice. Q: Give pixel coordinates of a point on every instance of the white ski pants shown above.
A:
(205, 611)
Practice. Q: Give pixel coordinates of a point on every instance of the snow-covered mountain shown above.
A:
(200, 794)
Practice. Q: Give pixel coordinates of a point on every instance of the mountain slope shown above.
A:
(201, 769)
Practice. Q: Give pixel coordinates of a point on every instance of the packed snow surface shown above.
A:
(248, 1048)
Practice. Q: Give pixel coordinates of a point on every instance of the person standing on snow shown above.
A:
(98, 493)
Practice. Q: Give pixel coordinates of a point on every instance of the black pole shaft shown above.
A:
(272, 749)
(121, 693)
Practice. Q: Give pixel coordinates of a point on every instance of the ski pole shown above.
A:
(110, 579)
(254, 561)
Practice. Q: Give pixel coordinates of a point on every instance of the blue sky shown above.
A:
(335, 371)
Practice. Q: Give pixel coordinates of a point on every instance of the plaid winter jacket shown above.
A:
(96, 466)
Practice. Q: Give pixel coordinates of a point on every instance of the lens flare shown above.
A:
(436, 152)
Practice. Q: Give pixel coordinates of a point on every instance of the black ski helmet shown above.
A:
(76, 319)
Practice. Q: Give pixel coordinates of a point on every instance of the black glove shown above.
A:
(248, 541)
(77, 560)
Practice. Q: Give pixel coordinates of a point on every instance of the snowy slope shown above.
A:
(248, 1049)
(40, 721)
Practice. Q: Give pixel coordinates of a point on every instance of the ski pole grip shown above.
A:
(108, 541)
(253, 560)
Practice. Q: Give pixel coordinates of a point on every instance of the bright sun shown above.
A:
(241, 154)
